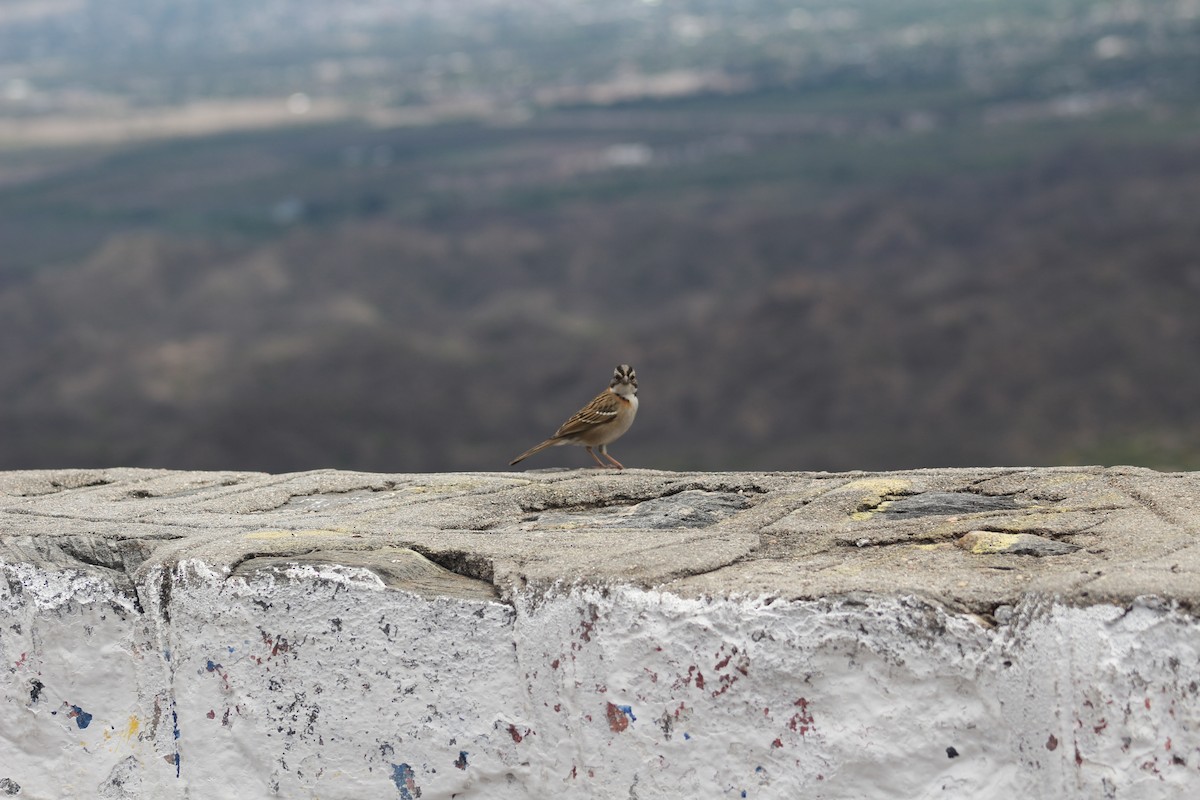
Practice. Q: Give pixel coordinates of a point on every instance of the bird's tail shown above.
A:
(535, 449)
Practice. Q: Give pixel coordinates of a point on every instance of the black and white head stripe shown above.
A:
(624, 374)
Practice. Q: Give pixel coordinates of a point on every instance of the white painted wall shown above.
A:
(323, 684)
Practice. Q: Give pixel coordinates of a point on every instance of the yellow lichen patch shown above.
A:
(878, 486)
(873, 491)
(1066, 478)
(987, 542)
(1098, 502)
(287, 534)
(1027, 522)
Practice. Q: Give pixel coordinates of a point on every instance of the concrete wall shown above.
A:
(320, 682)
(286, 672)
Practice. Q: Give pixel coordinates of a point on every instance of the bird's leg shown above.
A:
(593, 455)
(604, 452)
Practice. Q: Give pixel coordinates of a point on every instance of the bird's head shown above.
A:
(624, 381)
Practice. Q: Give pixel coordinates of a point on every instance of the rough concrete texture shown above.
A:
(964, 633)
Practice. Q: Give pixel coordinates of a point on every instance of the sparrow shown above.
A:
(600, 422)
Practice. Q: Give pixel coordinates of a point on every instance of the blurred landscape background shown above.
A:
(406, 235)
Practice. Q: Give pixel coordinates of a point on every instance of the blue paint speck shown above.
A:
(211, 667)
(175, 726)
(230, 649)
(82, 718)
(167, 654)
(687, 736)
(405, 780)
(743, 792)
(627, 711)
(461, 762)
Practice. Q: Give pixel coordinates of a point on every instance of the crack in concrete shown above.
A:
(622, 499)
(1150, 505)
(460, 562)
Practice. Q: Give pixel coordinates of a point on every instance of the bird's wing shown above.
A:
(601, 411)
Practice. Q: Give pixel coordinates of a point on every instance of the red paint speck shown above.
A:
(617, 720)
(1052, 743)
(801, 721)
(766, 712)
(281, 646)
(1078, 757)
(557, 707)
(726, 682)
(515, 734)
(211, 714)
(554, 664)
(574, 772)
(1147, 703)
(1103, 724)
(777, 743)
(1168, 744)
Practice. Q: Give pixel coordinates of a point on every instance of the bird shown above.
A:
(600, 422)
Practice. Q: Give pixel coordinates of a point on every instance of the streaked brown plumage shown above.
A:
(600, 422)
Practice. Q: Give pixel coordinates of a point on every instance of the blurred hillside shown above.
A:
(390, 236)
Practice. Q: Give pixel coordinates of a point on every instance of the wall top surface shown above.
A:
(973, 539)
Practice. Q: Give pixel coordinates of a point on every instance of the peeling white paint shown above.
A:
(321, 683)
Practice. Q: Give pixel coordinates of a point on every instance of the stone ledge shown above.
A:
(972, 539)
(990, 632)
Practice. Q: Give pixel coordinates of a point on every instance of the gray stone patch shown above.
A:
(1013, 544)
(928, 504)
(689, 509)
